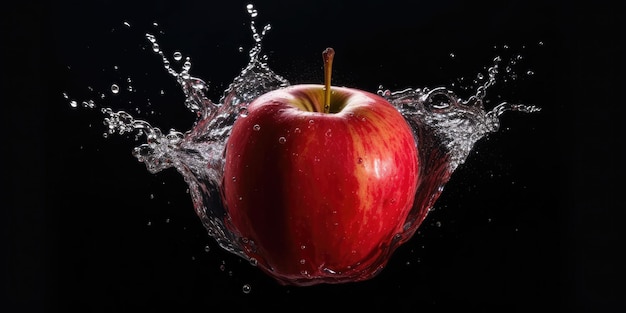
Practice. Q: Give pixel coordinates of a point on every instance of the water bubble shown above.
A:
(187, 65)
(178, 56)
(73, 104)
(282, 140)
(529, 73)
(207, 248)
(155, 47)
(115, 88)
(246, 288)
(127, 24)
(89, 104)
(243, 112)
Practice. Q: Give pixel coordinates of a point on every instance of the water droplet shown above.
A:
(297, 130)
(254, 262)
(243, 111)
(73, 104)
(246, 288)
(529, 72)
(251, 10)
(329, 133)
(178, 56)
(359, 160)
(240, 49)
(282, 140)
(256, 127)
(207, 248)
(115, 88)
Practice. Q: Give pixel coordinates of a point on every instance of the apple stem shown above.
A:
(328, 56)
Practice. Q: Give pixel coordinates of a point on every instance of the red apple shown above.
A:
(319, 184)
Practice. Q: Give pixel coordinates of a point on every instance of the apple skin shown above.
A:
(320, 197)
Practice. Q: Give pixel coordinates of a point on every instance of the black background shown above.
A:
(532, 221)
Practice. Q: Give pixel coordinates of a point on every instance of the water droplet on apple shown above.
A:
(297, 130)
(256, 127)
(282, 140)
(302, 261)
(329, 133)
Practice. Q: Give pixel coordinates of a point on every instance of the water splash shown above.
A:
(446, 128)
